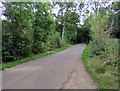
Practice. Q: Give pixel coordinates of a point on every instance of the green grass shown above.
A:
(105, 77)
(31, 58)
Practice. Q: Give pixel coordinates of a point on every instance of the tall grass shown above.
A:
(104, 75)
(107, 51)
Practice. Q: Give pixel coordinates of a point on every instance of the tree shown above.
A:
(115, 18)
(17, 30)
(65, 8)
(100, 31)
(83, 34)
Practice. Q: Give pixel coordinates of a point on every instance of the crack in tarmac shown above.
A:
(62, 70)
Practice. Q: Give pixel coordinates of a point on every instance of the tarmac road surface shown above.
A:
(62, 70)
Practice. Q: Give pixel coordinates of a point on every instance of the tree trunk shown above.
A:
(63, 31)
(111, 27)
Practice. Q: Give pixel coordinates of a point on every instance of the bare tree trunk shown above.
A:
(64, 24)
(63, 31)
(111, 27)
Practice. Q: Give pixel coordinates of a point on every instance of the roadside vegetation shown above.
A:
(101, 56)
(103, 74)
(31, 58)
(31, 30)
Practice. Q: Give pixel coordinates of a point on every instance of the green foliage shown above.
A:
(102, 54)
(102, 44)
(85, 56)
(110, 54)
(83, 33)
(115, 19)
(17, 31)
(54, 40)
(112, 51)
(68, 19)
(71, 33)
(62, 43)
(31, 58)
(105, 77)
(100, 31)
(29, 29)
(100, 69)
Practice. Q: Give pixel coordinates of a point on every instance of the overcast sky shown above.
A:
(82, 18)
(55, 10)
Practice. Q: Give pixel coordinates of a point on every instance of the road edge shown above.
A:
(10, 65)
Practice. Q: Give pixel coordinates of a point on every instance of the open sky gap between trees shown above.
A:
(31, 28)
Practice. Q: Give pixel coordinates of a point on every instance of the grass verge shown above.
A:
(31, 58)
(105, 77)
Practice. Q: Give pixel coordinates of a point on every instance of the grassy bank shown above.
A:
(105, 77)
(31, 58)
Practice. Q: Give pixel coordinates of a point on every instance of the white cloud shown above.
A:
(1, 10)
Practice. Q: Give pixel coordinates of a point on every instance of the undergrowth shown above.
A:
(105, 76)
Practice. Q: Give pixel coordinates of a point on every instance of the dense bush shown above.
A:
(102, 43)
(112, 51)
(26, 31)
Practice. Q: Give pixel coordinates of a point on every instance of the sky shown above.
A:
(1, 8)
(82, 18)
(56, 9)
